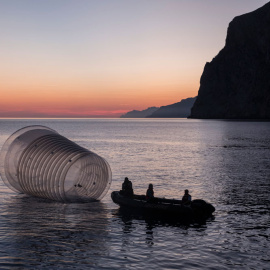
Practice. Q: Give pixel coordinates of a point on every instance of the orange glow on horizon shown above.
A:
(97, 59)
(26, 98)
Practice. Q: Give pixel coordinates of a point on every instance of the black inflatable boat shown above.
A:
(164, 207)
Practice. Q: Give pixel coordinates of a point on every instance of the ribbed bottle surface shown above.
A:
(38, 161)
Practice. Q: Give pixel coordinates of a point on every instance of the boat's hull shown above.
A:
(164, 207)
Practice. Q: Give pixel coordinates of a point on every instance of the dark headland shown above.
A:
(236, 83)
(177, 110)
(180, 109)
(139, 114)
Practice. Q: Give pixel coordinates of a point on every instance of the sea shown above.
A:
(226, 163)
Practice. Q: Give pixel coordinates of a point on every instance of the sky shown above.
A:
(103, 58)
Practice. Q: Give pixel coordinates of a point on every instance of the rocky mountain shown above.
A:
(139, 114)
(236, 83)
(177, 110)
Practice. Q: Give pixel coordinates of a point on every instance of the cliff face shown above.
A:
(180, 109)
(236, 84)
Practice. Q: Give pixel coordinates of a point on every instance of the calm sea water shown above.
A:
(226, 163)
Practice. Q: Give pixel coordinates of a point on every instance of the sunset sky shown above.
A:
(102, 58)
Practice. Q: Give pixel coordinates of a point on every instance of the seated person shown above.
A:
(150, 193)
(127, 189)
(186, 199)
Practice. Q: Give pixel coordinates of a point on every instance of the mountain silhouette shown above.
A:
(139, 114)
(177, 110)
(236, 83)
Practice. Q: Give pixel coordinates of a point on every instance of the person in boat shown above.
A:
(186, 199)
(150, 193)
(127, 189)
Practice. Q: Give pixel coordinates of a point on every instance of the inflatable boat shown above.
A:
(164, 207)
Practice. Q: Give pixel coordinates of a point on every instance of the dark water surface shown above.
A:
(226, 163)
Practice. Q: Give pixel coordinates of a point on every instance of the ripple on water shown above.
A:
(226, 163)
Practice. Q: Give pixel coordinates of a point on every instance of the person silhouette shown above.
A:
(186, 199)
(127, 189)
(150, 193)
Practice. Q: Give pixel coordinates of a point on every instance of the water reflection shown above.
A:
(244, 152)
(131, 218)
(149, 239)
(225, 163)
(42, 233)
